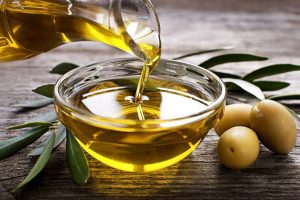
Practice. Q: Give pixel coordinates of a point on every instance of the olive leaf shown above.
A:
(60, 135)
(285, 97)
(239, 97)
(270, 70)
(45, 90)
(271, 85)
(203, 52)
(229, 58)
(248, 87)
(40, 163)
(40, 147)
(265, 85)
(77, 162)
(225, 75)
(10, 146)
(45, 117)
(34, 104)
(29, 124)
(63, 68)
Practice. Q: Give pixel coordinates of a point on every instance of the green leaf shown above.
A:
(270, 70)
(230, 58)
(41, 120)
(38, 150)
(271, 85)
(203, 52)
(40, 163)
(10, 146)
(248, 87)
(63, 68)
(77, 162)
(239, 97)
(34, 104)
(60, 135)
(225, 75)
(45, 90)
(29, 124)
(285, 97)
(45, 117)
(150, 87)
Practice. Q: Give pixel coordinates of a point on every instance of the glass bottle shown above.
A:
(31, 27)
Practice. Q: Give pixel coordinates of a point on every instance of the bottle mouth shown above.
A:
(74, 79)
(139, 25)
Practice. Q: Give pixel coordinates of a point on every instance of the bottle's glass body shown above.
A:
(30, 27)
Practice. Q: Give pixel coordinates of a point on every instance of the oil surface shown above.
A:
(138, 148)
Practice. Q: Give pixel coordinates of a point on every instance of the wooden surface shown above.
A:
(270, 28)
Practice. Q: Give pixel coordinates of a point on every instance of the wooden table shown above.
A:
(270, 28)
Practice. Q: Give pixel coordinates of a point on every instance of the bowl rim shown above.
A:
(87, 116)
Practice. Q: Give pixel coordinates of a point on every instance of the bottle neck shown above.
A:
(133, 24)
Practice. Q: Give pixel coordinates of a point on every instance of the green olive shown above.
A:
(238, 147)
(274, 125)
(234, 115)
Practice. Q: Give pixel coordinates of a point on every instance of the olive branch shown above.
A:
(46, 126)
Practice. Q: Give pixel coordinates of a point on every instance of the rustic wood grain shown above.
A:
(269, 28)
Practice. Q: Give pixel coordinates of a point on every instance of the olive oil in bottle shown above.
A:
(31, 27)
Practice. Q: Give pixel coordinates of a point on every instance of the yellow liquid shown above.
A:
(28, 32)
(138, 147)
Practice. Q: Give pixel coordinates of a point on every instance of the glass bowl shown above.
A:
(188, 100)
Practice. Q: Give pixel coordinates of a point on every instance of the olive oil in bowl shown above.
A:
(174, 113)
